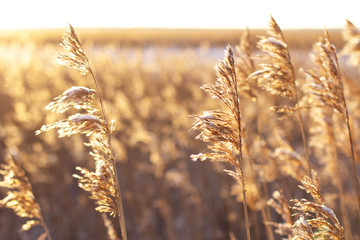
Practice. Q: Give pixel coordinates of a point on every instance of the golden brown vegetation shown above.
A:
(20, 197)
(150, 91)
(103, 184)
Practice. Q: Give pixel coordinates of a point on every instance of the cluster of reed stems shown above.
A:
(223, 130)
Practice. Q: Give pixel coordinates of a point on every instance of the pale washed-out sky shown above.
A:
(177, 13)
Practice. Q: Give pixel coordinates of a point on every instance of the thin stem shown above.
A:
(263, 195)
(247, 225)
(295, 95)
(353, 161)
(303, 136)
(119, 204)
(339, 185)
(264, 192)
(99, 95)
(240, 159)
(306, 149)
(347, 120)
(42, 222)
(109, 227)
(40, 217)
(267, 217)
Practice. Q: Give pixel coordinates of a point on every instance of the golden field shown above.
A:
(150, 83)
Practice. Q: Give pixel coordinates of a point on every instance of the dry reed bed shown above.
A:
(165, 195)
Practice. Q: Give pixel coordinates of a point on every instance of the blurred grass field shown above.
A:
(148, 36)
(150, 80)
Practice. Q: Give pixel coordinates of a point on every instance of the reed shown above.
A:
(326, 85)
(279, 203)
(102, 184)
(245, 65)
(222, 130)
(151, 91)
(278, 76)
(20, 197)
(322, 223)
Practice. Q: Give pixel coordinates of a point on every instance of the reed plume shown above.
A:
(20, 197)
(278, 76)
(281, 206)
(302, 230)
(256, 190)
(322, 140)
(326, 84)
(352, 43)
(321, 219)
(290, 162)
(244, 64)
(102, 184)
(222, 130)
(75, 56)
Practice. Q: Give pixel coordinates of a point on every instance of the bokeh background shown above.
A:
(150, 59)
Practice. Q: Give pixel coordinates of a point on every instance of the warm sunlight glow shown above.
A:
(177, 14)
(179, 119)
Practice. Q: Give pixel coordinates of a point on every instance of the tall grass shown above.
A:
(20, 197)
(278, 76)
(103, 183)
(150, 92)
(223, 130)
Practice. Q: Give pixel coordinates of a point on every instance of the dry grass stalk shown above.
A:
(244, 65)
(102, 184)
(323, 141)
(77, 97)
(290, 162)
(325, 223)
(223, 129)
(302, 230)
(278, 76)
(109, 227)
(20, 197)
(75, 56)
(352, 43)
(281, 206)
(326, 84)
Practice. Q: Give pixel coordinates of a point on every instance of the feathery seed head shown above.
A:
(75, 56)
(77, 123)
(325, 81)
(351, 30)
(278, 76)
(77, 97)
(245, 65)
(20, 197)
(326, 223)
(274, 30)
(281, 206)
(352, 43)
(222, 129)
(103, 183)
(302, 230)
(101, 186)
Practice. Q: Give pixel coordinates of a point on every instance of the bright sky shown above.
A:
(177, 13)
